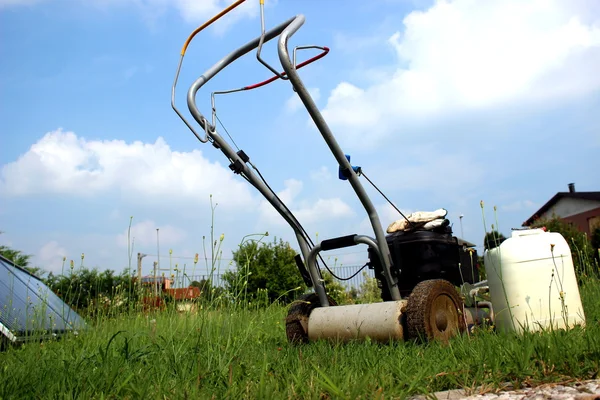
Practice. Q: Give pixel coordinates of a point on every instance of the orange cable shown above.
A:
(209, 22)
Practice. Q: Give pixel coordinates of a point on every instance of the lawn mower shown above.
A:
(418, 265)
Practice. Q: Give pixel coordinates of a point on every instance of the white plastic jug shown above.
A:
(532, 282)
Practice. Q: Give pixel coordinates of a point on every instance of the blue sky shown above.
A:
(443, 104)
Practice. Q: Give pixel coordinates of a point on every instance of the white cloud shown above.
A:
(62, 163)
(294, 103)
(323, 210)
(306, 211)
(50, 257)
(144, 234)
(321, 175)
(467, 55)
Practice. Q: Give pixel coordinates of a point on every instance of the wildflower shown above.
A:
(170, 251)
(196, 258)
(481, 203)
(64, 258)
(222, 237)
(82, 256)
(72, 264)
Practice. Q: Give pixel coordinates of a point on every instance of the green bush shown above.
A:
(369, 291)
(91, 291)
(579, 243)
(596, 244)
(264, 266)
(336, 290)
(20, 259)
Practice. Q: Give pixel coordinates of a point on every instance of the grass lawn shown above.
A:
(244, 354)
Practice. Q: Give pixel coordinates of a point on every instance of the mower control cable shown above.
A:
(351, 276)
(227, 132)
(385, 197)
(306, 235)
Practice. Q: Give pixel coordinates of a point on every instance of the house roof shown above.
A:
(558, 196)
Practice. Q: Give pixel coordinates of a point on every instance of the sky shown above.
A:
(444, 104)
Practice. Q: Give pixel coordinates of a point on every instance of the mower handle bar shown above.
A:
(224, 62)
(339, 242)
(336, 150)
(238, 163)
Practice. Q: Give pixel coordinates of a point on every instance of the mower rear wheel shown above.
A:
(296, 322)
(434, 311)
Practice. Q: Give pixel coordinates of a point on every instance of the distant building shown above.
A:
(160, 281)
(581, 209)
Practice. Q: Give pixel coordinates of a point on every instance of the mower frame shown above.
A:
(239, 161)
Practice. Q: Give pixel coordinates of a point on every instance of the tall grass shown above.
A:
(227, 348)
(221, 352)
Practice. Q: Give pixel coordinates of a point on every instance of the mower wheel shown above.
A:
(296, 322)
(434, 311)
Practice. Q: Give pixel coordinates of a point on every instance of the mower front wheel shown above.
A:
(296, 322)
(434, 311)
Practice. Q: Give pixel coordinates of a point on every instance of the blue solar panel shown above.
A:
(29, 308)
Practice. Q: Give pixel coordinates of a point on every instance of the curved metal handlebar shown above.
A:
(219, 66)
(238, 161)
(267, 81)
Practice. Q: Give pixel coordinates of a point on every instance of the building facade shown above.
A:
(582, 209)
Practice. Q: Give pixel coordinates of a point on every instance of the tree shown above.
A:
(92, 290)
(20, 259)
(266, 266)
(208, 291)
(16, 256)
(493, 239)
(581, 250)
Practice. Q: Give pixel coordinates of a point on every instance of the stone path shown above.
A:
(584, 390)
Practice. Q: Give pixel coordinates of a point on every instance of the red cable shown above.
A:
(302, 64)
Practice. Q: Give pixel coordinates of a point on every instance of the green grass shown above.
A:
(244, 354)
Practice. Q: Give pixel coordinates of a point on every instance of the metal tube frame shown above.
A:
(234, 158)
(317, 117)
(285, 31)
(358, 239)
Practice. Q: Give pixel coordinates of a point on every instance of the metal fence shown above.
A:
(343, 271)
